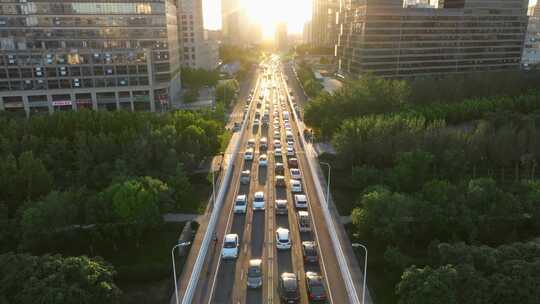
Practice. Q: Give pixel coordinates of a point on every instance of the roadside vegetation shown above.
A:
(442, 187)
(312, 86)
(194, 79)
(246, 56)
(96, 184)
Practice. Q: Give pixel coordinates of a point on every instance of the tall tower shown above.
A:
(281, 39)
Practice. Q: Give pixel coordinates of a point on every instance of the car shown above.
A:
(279, 169)
(258, 201)
(245, 177)
(283, 239)
(236, 127)
(277, 143)
(277, 135)
(254, 273)
(293, 162)
(296, 186)
(257, 114)
(300, 201)
(240, 204)
(251, 143)
(289, 135)
(288, 288)
(277, 152)
(281, 206)
(309, 252)
(290, 143)
(230, 246)
(315, 286)
(248, 154)
(280, 181)
(256, 123)
(295, 173)
(263, 160)
(290, 151)
(263, 143)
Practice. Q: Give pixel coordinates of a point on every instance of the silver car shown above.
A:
(254, 273)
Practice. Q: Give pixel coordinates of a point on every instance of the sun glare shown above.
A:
(269, 13)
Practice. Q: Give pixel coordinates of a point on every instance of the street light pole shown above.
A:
(357, 245)
(327, 183)
(174, 267)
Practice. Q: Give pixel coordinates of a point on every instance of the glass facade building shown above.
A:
(389, 39)
(97, 54)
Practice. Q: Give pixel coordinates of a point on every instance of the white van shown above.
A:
(303, 221)
(300, 201)
(285, 115)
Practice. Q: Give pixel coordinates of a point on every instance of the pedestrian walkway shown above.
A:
(181, 217)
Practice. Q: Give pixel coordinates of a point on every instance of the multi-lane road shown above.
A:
(225, 281)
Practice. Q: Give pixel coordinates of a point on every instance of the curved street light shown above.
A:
(174, 267)
(358, 245)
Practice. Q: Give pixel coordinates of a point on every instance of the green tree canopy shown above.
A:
(52, 279)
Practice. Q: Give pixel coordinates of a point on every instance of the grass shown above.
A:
(202, 188)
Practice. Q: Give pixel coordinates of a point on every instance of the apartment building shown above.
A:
(197, 51)
(390, 39)
(324, 27)
(97, 54)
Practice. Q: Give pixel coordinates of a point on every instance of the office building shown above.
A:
(531, 50)
(307, 33)
(389, 39)
(324, 27)
(96, 54)
(197, 51)
(234, 22)
(281, 39)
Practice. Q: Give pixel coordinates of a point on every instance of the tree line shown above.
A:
(420, 98)
(477, 274)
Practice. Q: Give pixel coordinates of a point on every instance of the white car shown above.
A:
(240, 204)
(283, 239)
(230, 247)
(258, 201)
(277, 152)
(290, 143)
(300, 201)
(277, 135)
(263, 160)
(296, 186)
(295, 173)
(248, 154)
(290, 151)
(256, 123)
(277, 143)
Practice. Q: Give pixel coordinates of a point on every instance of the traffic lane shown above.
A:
(334, 279)
(224, 290)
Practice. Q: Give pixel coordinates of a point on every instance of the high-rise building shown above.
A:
(196, 49)
(531, 50)
(324, 27)
(307, 33)
(97, 54)
(281, 39)
(386, 38)
(234, 22)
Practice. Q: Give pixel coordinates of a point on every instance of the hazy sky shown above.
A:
(268, 12)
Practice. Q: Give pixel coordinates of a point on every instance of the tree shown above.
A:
(56, 211)
(412, 170)
(29, 279)
(136, 200)
(33, 177)
(182, 189)
(428, 285)
(226, 91)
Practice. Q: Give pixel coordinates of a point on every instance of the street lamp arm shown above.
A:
(357, 245)
(183, 243)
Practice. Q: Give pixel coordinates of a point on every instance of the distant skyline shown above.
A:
(294, 12)
(296, 15)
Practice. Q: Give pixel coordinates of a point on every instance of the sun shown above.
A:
(269, 13)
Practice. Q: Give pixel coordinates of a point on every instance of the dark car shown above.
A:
(280, 181)
(279, 169)
(309, 251)
(288, 288)
(293, 162)
(315, 287)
